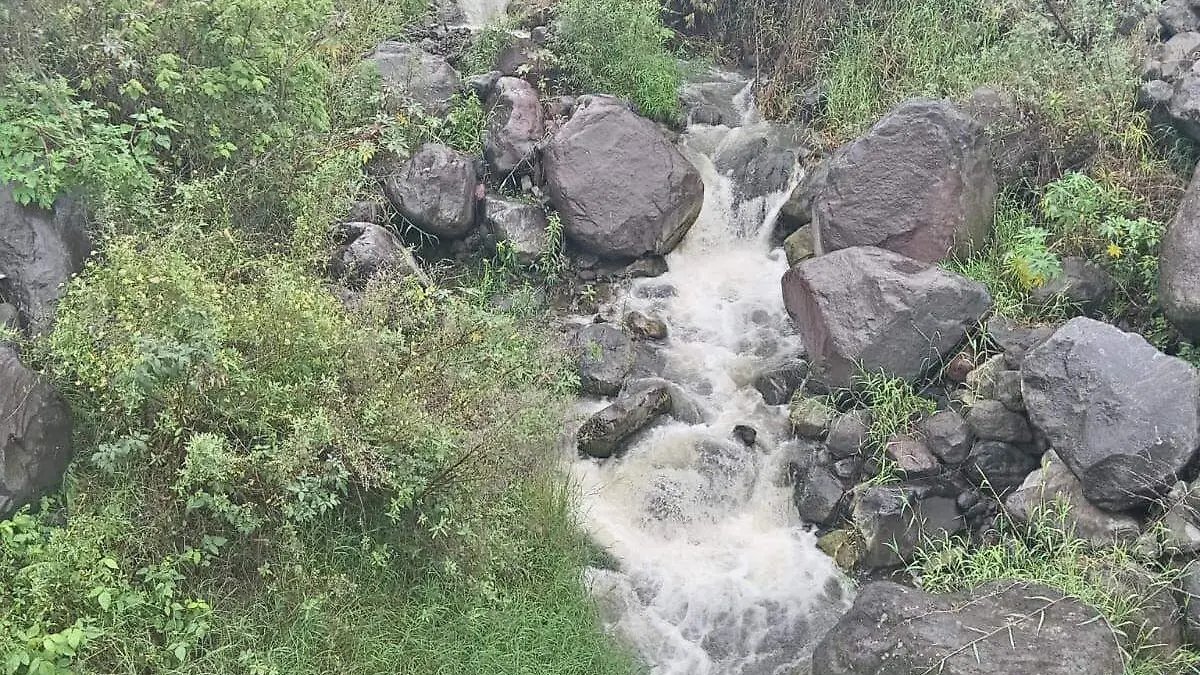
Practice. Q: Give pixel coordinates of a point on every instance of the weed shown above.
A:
(619, 47)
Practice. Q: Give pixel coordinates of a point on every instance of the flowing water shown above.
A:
(715, 574)
(478, 13)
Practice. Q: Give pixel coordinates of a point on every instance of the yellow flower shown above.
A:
(1114, 251)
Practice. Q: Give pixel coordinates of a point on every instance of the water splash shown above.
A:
(479, 13)
(717, 575)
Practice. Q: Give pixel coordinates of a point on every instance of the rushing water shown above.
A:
(717, 576)
(478, 13)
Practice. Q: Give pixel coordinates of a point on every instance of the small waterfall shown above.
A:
(479, 13)
(717, 576)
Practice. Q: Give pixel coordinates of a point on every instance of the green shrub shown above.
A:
(1047, 551)
(619, 47)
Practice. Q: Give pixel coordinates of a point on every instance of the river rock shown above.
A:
(435, 191)
(1083, 284)
(603, 434)
(40, 249)
(947, 435)
(991, 421)
(369, 250)
(1054, 482)
(820, 497)
(998, 467)
(848, 433)
(684, 407)
(777, 386)
(519, 226)
(1171, 59)
(1179, 261)
(1177, 16)
(920, 183)
(35, 435)
(606, 357)
(622, 188)
(1007, 390)
(1016, 340)
(760, 160)
(1122, 415)
(810, 417)
(1006, 626)
(647, 327)
(515, 126)
(871, 309)
(912, 457)
(894, 519)
(798, 208)
(411, 76)
(800, 245)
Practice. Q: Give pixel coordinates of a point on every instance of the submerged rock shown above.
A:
(603, 434)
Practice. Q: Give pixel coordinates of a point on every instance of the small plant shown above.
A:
(553, 262)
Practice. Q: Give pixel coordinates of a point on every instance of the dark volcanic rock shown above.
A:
(604, 433)
(606, 358)
(999, 467)
(920, 183)
(1179, 268)
(1009, 627)
(622, 188)
(947, 436)
(35, 435)
(435, 190)
(1123, 416)
(515, 126)
(411, 76)
(871, 309)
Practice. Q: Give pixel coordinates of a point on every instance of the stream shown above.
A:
(717, 574)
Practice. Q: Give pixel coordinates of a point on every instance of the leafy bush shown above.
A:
(620, 47)
(1047, 551)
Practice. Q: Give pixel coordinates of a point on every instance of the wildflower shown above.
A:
(1114, 251)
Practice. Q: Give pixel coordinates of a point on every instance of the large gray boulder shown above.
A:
(1122, 415)
(1002, 627)
(40, 250)
(879, 310)
(35, 435)
(412, 76)
(606, 358)
(622, 188)
(435, 190)
(920, 183)
(515, 126)
(893, 520)
(1179, 264)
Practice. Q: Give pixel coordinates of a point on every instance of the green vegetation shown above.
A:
(620, 47)
(1114, 580)
(895, 407)
(267, 481)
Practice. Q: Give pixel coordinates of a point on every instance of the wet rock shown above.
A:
(997, 467)
(760, 160)
(705, 113)
(894, 520)
(519, 226)
(747, 435)
(845, 547)
(515, 126)
(1016, 340)
(920, 183)
(640, 325)
(798, 208)
(369, 250)
(35, 435)
(648, 267)
(799, 245)
(1007, 390)
(875, 310)
(1123, 416)
(40, 249)
(606, 357)
(947, 435)
(991, 421)
(1054, 482)
(411, 76)
(604, 433)
(622, 188)
(820, 497)
(810, 417)
(912, 457)
(683, 406)
(1179, 259)
(1029, 629)
(1083, 284)
(778, 386)
(848, 433)
(435, 191)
